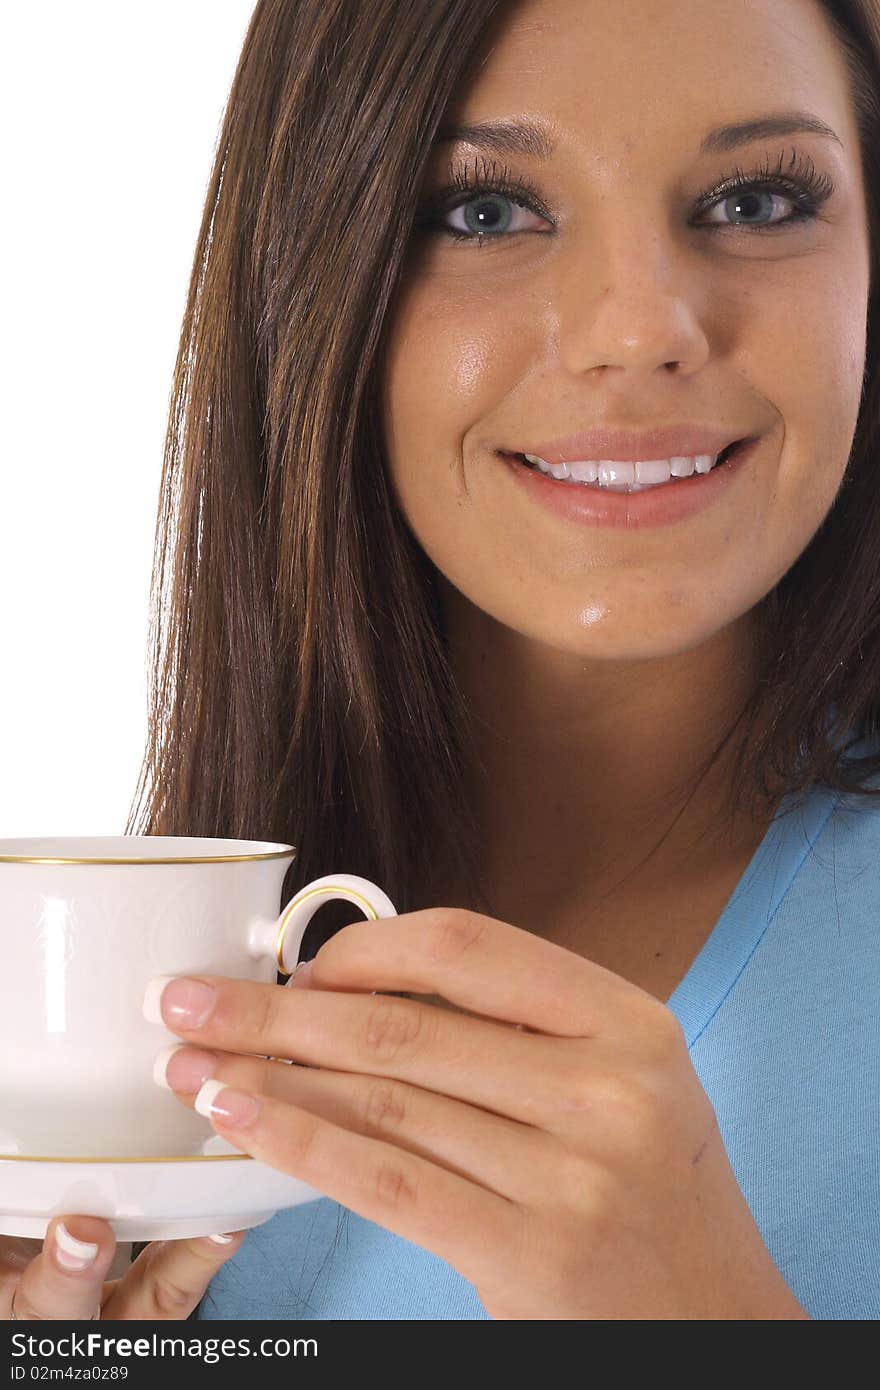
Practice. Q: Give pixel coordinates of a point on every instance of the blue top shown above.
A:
(781, 1011)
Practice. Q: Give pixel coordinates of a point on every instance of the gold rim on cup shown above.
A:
(285, 853)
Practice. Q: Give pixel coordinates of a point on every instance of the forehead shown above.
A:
(616, 72)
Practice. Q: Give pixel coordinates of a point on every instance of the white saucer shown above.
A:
(146, 1199)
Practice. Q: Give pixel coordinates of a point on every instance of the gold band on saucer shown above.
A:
(325, 891)
(138, 1158)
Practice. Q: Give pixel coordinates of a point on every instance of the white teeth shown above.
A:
(584, 472)
(613, 474)
(654, 471)
(681, 467)
(623, 476)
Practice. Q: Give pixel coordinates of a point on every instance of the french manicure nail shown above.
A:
(178, 1002)
(234, 1108)
(151, 1010)
(73, 1254)
(183, 1068)
(222, 1240)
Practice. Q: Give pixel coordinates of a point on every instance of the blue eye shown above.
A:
(806, 190)
(744, 202)
(490, 213)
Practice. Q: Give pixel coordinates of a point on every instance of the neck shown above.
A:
(589, 782)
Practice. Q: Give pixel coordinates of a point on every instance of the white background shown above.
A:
(110, 118)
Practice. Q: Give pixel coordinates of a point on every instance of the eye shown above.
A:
(489, 206)
(490, 214)
(802, 185)
(755, 202)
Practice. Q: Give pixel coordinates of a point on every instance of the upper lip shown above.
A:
(628, 446)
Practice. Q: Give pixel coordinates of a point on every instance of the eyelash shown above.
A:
(806, 188)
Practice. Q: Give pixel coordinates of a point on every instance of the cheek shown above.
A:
(815, 382)
(453, 359)
(454, 353)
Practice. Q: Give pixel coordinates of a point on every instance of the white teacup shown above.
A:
(85, 924)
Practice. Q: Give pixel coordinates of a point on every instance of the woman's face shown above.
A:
(616, 302)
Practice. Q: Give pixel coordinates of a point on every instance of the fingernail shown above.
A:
(178, 1002)
(301, 975)
(222, 1240)
(183, 1068)
(73, 1254)
(218, 1101)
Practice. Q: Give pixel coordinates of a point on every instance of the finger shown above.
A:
(169, 1278)
(499, 1154)
(16, 1253)
(65, 1281)
(490, 968)
(479, 1061)
(464, 1224)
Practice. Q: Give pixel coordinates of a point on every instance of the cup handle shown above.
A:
(282, 938)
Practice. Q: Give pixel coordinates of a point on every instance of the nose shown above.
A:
(635, 306)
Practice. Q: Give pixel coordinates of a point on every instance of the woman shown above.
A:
(601, 748)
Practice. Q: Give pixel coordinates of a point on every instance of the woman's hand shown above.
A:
(65, 1280)
(548, 1136)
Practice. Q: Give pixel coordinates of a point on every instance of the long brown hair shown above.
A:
(300, 688)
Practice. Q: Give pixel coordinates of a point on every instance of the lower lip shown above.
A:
(658, 506)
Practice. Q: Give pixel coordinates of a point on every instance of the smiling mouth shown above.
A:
(594, 478)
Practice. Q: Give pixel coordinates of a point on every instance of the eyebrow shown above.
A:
(524, 137)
